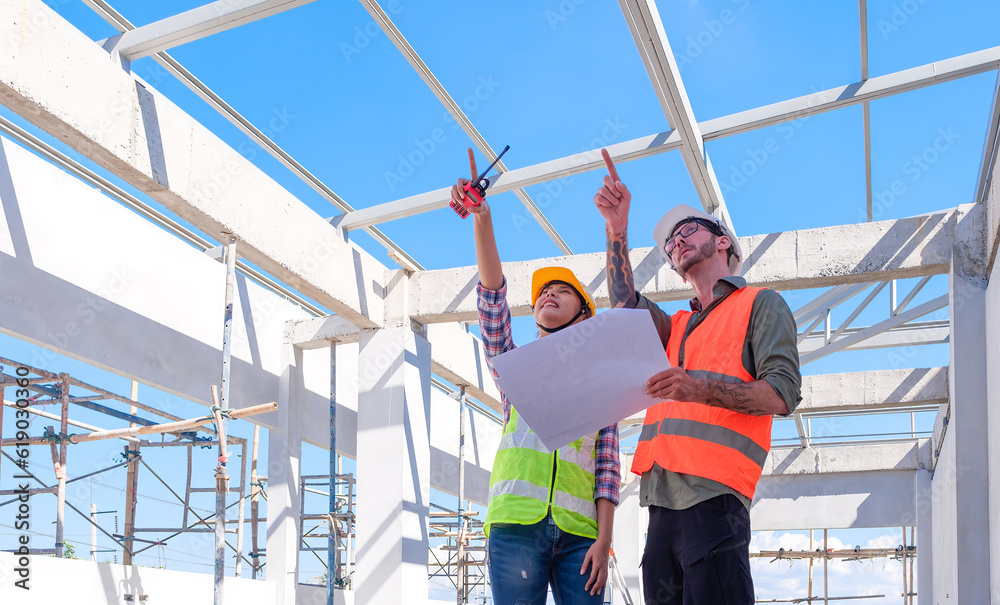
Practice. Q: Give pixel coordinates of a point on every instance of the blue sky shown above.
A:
(552, 78)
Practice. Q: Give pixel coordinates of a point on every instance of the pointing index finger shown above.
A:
(610, 165)
(472, 164)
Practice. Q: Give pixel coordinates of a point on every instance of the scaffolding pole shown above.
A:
(254, 504)
(220, 412)
(131, 485)
(333, 538)
(60, 464)
(460, 584)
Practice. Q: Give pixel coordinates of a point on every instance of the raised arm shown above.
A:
(613, 201)
(487, 256)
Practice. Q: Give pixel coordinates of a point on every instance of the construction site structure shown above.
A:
(131, 229)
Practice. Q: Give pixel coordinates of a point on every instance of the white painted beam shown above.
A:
(777, 113)
(513, 180)
(128, 128)
(853, 94)
(913, 333)
(867, 458)
(810, 258)
(861, 335)
(650, 37)
(195, 24)
(827, 300)
(875, 390)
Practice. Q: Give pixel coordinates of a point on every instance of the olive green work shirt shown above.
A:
(770, 353)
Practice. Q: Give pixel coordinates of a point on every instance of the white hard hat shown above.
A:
(682, 212)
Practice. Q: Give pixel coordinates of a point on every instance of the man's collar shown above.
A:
(722, 287)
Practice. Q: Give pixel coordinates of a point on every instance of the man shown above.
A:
(734, 364)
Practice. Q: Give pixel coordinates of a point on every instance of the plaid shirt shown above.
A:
(494, 323)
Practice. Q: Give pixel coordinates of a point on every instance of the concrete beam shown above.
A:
(195, 24)
(456, 355)
(319, 332)
(55, 77)
(810, 258)
(845, 500)
(459, 358)
(908, 456)
(878, 390)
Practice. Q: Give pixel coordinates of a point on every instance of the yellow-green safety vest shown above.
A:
(527, 478)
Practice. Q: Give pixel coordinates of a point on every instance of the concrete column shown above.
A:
(284, 454)
(925, 537)
(960, 488)
(993, 405)
(394, 372)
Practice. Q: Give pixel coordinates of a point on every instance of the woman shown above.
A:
(550, 514)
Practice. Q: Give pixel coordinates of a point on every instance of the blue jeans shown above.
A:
(526, 559)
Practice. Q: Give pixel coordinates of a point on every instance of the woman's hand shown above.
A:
(597, 558)
(458, 191)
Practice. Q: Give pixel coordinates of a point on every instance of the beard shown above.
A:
(699, 254)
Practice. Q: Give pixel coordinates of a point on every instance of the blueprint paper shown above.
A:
(583, 378)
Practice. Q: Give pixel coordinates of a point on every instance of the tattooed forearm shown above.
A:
(735, 397)
(621, 286)
(757, 398)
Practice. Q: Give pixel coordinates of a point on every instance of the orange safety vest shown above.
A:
(697, 439)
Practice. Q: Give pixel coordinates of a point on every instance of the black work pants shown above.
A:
(698, 556)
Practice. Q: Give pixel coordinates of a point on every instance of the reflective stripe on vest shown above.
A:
(522, 486)
(701, 440)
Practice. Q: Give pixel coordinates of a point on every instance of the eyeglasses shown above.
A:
(686, 230)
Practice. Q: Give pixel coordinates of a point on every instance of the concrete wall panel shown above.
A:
(85, 583)
(791, 502)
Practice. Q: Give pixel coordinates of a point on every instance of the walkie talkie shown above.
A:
(475, 191)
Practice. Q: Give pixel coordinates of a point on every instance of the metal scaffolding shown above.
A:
(905, 553)
(36, 388)
(462, 557)
(339, 524)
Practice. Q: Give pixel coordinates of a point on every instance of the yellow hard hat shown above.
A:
(547, 275)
